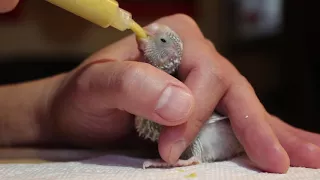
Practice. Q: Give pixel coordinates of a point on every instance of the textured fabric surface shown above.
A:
(124, 167)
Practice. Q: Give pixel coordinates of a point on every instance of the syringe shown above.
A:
(104, 13)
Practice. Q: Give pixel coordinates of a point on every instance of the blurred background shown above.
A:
(272, 42)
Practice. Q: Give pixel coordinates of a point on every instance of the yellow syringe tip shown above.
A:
(138, 30)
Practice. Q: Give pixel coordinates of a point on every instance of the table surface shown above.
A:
(34, 155)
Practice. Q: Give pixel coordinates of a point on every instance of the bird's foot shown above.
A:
(159, 163)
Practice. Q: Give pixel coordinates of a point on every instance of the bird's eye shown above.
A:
(163, 40)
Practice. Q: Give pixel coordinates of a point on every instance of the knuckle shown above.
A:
(87, 77)
(221, 79)
(218, 76)
(244, 82)
(128, 75)
(131, 76)
(241, 83)
(185, 21)
(185, 18)
(210, 44)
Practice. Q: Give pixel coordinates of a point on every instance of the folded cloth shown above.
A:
(129, 168)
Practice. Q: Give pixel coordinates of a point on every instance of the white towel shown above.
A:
(114, 167)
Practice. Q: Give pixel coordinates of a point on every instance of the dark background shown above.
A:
(283, 68)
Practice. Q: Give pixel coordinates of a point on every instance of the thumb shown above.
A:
(137, 88)
(8, 5)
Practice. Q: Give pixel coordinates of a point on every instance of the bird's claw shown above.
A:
(159, 163)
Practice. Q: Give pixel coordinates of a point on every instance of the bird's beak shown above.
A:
(146, 39)
(151, 31)
(142, 43)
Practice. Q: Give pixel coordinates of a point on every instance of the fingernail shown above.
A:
(174, 104)
(176, 151)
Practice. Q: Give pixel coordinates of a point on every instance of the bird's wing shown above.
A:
(216, 117)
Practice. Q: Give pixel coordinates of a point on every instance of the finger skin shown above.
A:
(300, 145)
(249, 121)
(100, 96)
(8, 5)
(305, 135)
(301, 153)
(130, 86)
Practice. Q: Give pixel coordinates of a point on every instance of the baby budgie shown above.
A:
(163, 49)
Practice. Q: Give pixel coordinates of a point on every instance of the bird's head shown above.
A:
(162, 48)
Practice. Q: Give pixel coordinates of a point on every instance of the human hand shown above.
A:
(92, 97)
(93, 103)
